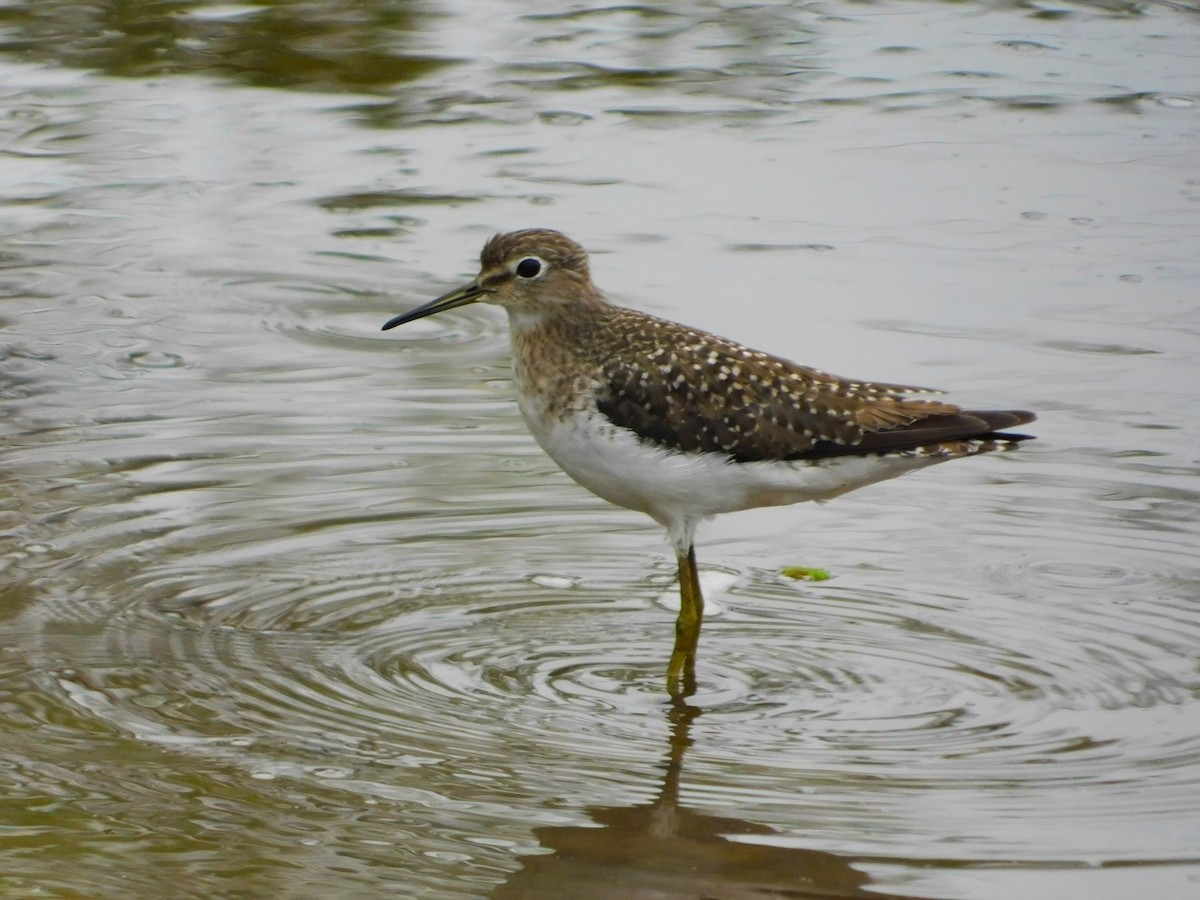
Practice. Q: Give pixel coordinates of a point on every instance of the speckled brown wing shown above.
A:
(695, 392)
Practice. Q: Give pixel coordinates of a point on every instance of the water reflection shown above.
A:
(665, 849)
(300, 44)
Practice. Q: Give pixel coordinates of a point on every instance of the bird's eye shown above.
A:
(530, 267)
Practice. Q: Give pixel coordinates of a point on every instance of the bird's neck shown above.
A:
(555, 355)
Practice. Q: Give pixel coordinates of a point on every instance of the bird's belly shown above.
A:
(615, 464)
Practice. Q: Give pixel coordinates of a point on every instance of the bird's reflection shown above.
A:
(663, 850)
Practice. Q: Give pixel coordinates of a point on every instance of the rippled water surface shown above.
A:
(293, 607)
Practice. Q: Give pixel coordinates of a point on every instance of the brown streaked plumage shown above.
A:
(682, 424)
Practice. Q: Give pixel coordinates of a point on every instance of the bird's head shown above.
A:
(535, 272)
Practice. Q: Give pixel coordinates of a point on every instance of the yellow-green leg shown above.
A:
(681, 672)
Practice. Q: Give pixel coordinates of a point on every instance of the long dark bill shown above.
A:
(468, 293)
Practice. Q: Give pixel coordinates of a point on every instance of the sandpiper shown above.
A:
(681, 424)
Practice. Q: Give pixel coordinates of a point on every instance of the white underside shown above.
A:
(678, 490)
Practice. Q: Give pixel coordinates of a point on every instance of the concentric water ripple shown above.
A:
(823, 682)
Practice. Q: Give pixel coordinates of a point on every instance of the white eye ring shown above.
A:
(530, 267)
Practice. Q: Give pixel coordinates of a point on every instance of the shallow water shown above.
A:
(294, 606)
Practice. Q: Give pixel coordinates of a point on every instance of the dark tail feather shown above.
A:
(968, 425)
(999, 419)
